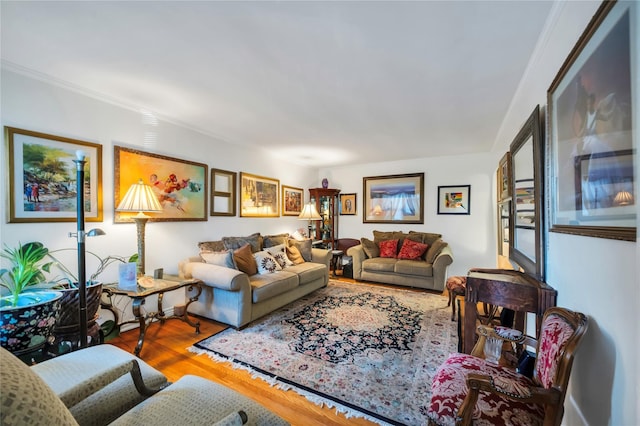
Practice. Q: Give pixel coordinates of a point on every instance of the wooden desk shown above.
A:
(509, 289)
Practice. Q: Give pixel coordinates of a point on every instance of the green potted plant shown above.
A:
(28, 311)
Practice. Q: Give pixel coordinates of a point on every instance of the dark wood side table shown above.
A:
(510, 289)
(336, 256)
(138, 297)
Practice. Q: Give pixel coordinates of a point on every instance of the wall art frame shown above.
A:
(292, 200)
(348, 204)
(393, 199)
(454, 199)
(181, 185)
(44, 162)
(587, 105)
(223, 192)
(259, 196)
(504, 177)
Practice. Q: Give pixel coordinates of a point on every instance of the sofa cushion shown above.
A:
(370, 248)
(294, 255)
(308, 271)
(427, 237)
(414, 267)
(211, 246)
(279, 253)
(303, 246)
(379, 264)
(245, 261)
(267, 264)
(266, 286)
(220, 258)
(434, 250)
(412, 250)
(233, 243)
(274, 240)
(388, 248)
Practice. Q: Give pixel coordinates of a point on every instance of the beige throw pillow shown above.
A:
(370, 248)
(294, 255)
(304, 247)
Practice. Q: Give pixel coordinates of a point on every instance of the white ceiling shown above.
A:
(324, 83)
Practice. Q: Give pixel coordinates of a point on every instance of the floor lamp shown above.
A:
(309, 213)
(81, 237)
(140, 198)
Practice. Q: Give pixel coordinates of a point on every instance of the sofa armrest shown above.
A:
(321, 256)
(217, 276)
(440, 266)
(183, 273)
(358, 255)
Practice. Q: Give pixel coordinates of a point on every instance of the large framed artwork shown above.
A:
(259, 196)
(181, 185)
(454, 199)
(592, 176)
(42, 177)
(292, 199)
(393, 199)
(223, 193)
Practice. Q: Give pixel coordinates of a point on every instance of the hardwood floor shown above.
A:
(165, 348)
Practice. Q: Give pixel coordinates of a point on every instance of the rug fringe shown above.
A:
(273, 381)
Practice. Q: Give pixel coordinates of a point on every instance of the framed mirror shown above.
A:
(526, 246)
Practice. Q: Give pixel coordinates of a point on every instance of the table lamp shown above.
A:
(309, 213)
(140, 198)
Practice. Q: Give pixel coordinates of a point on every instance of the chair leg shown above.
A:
(452, 296)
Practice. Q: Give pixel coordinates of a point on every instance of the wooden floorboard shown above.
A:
(165, 348)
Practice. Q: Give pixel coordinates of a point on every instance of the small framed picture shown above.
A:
(454, 199)
(292, 199)
(348, 204)
(127, 279)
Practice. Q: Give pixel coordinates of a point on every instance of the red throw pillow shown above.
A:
(388, 248)
(412, 250)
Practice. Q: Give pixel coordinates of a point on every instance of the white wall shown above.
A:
(471, 236)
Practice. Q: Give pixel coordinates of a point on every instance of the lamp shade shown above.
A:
(623, 198)
(139, 198)
(309, 212)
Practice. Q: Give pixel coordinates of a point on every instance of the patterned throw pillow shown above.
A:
(220, 258)
(280, 255)
(412, 250)
(388, 248)
(370, 248)
(245, 261)
(266, 263)
(209, 246)
(274, 240)
(294, 255)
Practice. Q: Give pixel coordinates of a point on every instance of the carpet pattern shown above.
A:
(368, 351)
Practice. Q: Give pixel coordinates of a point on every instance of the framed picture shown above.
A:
(42, 177)
(504, 177)
(348, 204)
(181, 185)
(292, 200)
(394, 199)
(258, 196)
(454, 199)
(592, 178)
(223, 193)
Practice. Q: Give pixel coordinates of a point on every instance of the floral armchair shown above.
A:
(469, 390)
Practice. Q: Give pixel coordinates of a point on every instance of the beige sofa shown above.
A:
(236, 298)
(429, 271)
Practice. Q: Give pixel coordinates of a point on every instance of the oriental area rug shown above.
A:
(365, 350)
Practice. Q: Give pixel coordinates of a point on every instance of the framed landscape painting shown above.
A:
(42, 177)
(591, 148)
(394, 199)
(181, 185)
(259, 196)
(291, 200)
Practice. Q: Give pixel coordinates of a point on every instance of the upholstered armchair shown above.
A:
(469, 390)
(27, 399)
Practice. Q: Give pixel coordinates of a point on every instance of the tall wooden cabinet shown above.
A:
(326, 201)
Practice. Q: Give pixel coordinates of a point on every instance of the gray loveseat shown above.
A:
(429, 271)
(234, 297)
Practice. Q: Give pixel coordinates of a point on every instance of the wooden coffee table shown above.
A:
(152, 286)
